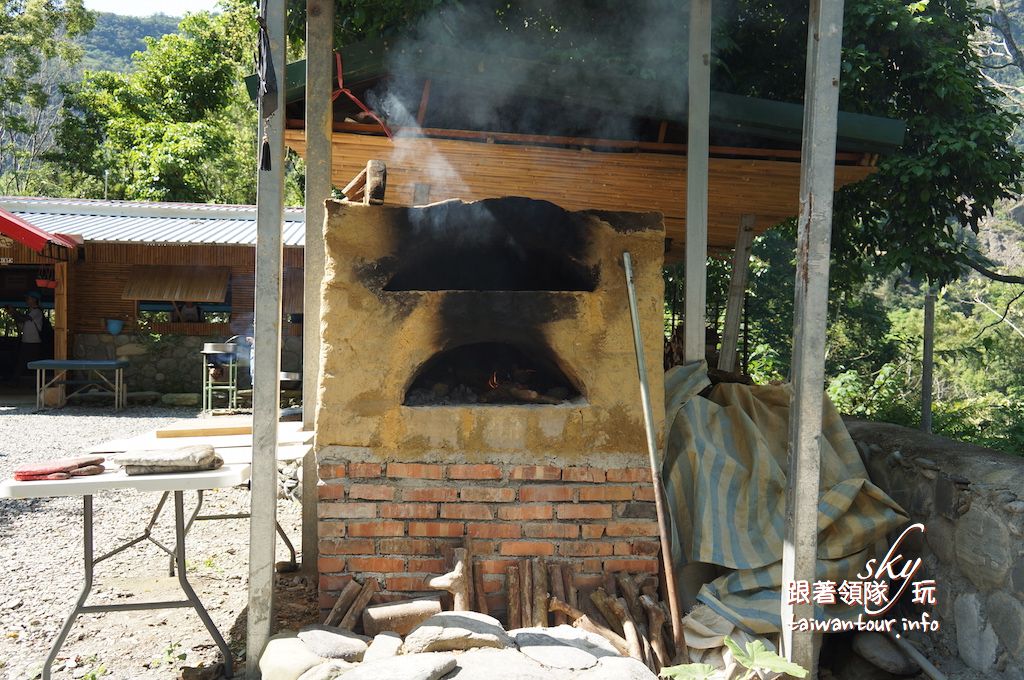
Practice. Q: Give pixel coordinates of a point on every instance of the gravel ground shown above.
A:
(41, 544)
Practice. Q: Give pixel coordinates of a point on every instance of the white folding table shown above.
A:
(86, 487)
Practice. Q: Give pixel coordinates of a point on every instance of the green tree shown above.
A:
(179, 126)
(909, 60)
(36, 44)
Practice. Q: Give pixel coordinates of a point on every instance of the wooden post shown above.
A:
(817, 176)
(737, 290)
(319, 122)
(319, 128)
(266, 393)
(697, 180)
(928, 360)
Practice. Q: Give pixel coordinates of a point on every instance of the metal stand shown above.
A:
(179, 556)
(211, 386)
(196, 517)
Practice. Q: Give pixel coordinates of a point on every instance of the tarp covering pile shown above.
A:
(725, 477)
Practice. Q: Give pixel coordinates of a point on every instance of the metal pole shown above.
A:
(817, 176)
(267, 359)
(737, 293)
(319, 128)
(928, 361)
(697, 180)
(679, 641)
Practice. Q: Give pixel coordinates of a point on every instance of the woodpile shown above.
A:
(626, 610)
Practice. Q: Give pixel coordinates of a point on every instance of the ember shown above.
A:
(490, 373)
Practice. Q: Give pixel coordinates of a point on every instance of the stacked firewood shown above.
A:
(626, 610)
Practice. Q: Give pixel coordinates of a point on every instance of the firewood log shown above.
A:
(584, 622)
(655, 624)
(569, 578)
(632, 635)
(526, 591)
(603, 601)
(512, 586)
(455, 582)
(557, 587)
(345, 600)
(540, 593)
(370, 586)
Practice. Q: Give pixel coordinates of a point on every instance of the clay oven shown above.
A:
(479, 381)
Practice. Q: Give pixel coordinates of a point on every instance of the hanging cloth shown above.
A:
(267, 92)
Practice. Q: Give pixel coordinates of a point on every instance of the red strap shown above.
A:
(348, 93)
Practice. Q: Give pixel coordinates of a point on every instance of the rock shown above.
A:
(983, 548)
(883, 653)
(286, 657)
(939, 536)
(574, 637)
(409, 667)
(975, 639)
(329, 670)
(1016, 507)
(1017, 577)
(213, 672)
(1006, 614)
(383, 646)
(501, 664)
(334, 643)
(456, 630)
(180, 399)
(552, 652)
(618, 668)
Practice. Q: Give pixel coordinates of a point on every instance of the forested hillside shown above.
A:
(110, 44)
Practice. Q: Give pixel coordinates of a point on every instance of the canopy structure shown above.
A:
(56, 246)
(807, 136)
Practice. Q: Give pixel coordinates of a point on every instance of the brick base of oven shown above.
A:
(393, 520)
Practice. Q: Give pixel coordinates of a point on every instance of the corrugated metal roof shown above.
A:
(142, 222)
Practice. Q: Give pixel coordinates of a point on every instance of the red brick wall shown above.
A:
(393, 520)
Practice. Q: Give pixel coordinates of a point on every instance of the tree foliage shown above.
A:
(36, 42)
(914, 61)
(176, 128)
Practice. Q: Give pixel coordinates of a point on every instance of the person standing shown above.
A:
(30, 323)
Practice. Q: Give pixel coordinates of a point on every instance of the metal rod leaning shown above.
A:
(652, 444)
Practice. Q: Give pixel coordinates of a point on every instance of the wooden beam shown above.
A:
(659, 146)
(266, 393)
(421, 114)
(814, 231)
(737, 291)
(698, 140)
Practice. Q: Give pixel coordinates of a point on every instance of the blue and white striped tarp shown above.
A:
(725, 468)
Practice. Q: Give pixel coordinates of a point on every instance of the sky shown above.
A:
(143, 8)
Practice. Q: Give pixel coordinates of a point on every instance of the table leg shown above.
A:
(39, 390)
(87, 540)
(179, 538)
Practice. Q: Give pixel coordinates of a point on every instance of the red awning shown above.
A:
(32, 236)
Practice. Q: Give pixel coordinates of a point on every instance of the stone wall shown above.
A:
(168, 363)
(971, 501)
(392, 521)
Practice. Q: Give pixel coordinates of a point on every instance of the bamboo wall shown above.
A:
(438, 169)
(97, 284)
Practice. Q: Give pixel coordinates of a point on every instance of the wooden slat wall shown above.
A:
(578, 179)
(97, 284)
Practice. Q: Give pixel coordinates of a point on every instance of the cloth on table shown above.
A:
(182, 459)
(725, 469)
(61, 468)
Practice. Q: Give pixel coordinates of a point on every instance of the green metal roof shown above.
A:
(568, 86)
